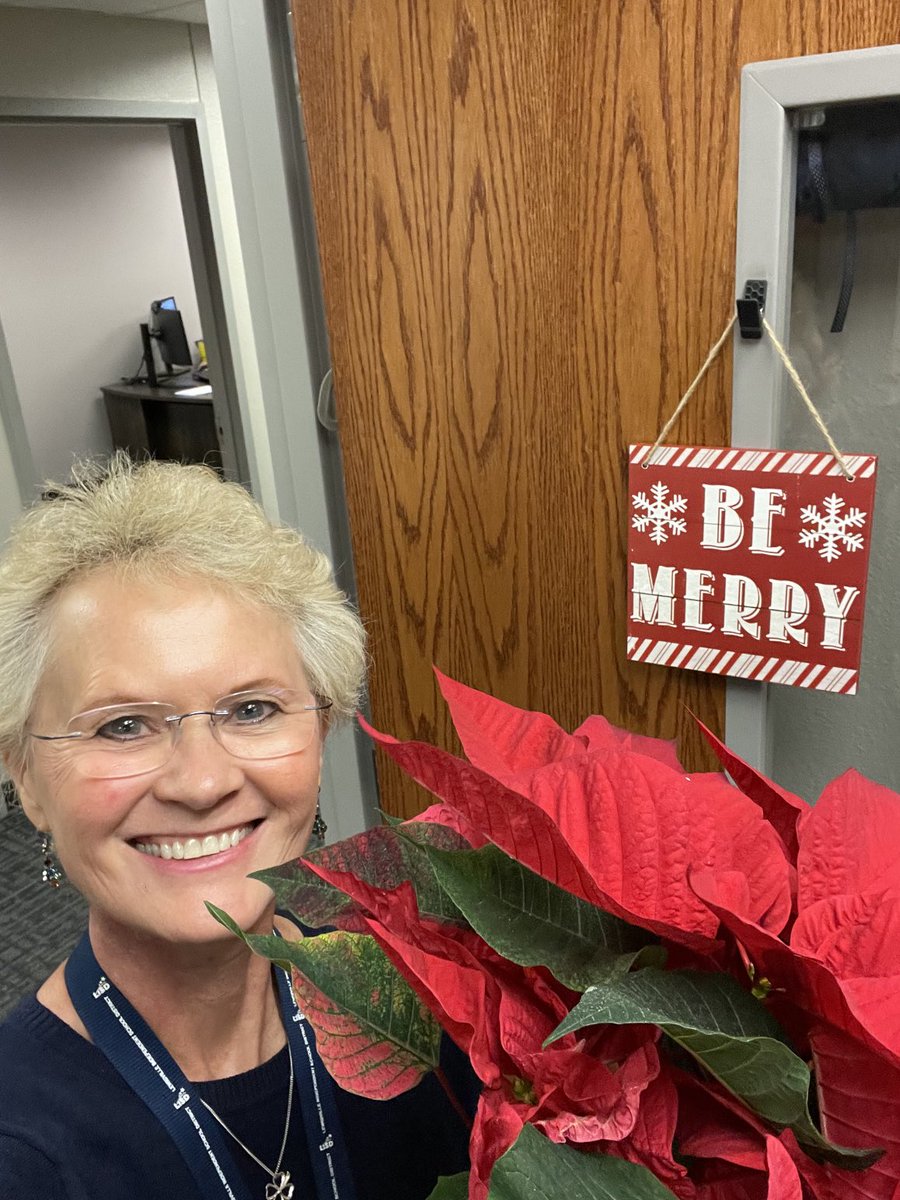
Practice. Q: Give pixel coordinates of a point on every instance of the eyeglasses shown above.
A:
(122, 740)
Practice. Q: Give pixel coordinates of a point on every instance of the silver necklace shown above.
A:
(281, 1187)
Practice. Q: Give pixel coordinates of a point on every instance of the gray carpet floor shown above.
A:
(38, 925)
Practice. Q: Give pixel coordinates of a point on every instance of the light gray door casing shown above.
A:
(771, 93)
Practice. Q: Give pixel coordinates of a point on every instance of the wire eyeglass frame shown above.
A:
(116, 754)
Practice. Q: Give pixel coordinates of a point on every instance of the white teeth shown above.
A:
(194, 847)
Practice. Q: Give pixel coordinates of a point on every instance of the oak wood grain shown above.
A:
(526, 218)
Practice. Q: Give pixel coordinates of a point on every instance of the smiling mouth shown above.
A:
(214, 843)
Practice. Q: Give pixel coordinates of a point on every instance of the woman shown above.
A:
(170, 663)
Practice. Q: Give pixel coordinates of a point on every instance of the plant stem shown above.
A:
(453, 1098)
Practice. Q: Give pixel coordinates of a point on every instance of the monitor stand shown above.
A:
(150, 378)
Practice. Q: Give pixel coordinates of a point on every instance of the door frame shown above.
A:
(772, 93)
(259, 99)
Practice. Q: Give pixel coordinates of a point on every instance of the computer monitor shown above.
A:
(167, 327)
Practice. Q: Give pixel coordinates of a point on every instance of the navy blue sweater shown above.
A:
(72, 1129)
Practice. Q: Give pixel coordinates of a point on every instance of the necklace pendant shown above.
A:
(281, 1187)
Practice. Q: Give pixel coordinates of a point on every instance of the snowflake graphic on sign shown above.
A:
(832, 528)
(657, 516)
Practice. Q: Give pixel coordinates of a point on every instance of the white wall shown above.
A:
(91, 230)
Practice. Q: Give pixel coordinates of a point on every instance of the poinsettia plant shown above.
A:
(667, 984)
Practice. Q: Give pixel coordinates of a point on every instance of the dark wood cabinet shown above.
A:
(152, 420)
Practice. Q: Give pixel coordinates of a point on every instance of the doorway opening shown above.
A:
(100, 221)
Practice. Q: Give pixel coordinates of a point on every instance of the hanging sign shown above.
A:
(750, 563)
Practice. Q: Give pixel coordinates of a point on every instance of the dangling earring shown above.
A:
(51, 874)
(319, 828)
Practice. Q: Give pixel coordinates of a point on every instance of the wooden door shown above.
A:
(526, 216)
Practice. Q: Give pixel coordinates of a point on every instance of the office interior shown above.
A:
(91, 235)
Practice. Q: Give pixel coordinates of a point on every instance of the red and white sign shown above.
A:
(751, 563)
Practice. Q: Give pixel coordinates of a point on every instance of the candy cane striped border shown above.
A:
(781, 462)
(744, 666)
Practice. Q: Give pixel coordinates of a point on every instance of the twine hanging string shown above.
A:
(804, 396)
(710, 358)
(795, 379)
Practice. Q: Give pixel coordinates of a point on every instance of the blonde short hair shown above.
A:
(176, 520)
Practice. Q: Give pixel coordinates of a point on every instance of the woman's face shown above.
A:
(187, 643)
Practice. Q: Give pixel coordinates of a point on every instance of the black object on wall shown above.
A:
(850, 161)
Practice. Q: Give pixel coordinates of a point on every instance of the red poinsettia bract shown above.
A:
(799, 903)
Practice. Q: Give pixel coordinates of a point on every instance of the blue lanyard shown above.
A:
(119, 1030)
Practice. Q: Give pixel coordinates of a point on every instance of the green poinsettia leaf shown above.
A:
(535, 923)
(452, 1187)
(733, 1037)
(535, 1168)
(271, 946)
(311, 900)
(383, 857)
(389, 818)
(374, 1035)
(430, 833)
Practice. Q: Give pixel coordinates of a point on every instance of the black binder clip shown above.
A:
(750, 308)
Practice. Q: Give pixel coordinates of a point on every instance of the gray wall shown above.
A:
(63, 54)
(853, 379)
(91, 230)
